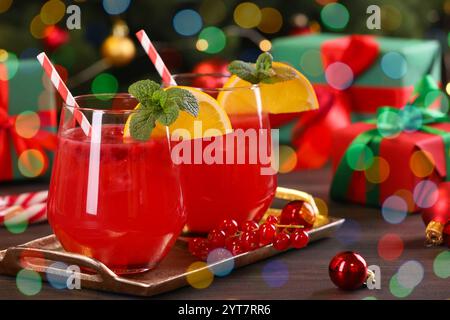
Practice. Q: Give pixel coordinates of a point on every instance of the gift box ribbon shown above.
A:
(42, 141)
(419, 114)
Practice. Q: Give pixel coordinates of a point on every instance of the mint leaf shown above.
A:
(262, 71)
(159, 97)
(264, 62)
(142, 123)
(169, 113)
(244, 70)
(184, 99)
(143, 90)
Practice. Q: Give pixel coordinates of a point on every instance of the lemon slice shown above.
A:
(212, 120)
(294, 95)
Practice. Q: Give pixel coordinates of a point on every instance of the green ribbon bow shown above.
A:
(415, 116)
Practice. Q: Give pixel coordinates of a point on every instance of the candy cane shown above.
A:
(27, 198)
(17, 213)
(154, 56)
(64, 92)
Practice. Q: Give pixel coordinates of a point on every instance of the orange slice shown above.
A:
(294, 95)
(212, 120)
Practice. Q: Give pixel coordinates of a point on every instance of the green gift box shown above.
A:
(384, 77)
(27, 120)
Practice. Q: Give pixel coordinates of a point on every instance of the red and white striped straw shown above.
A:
(154, 56)
(64, 92)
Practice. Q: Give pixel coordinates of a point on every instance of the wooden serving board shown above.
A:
(172, 273)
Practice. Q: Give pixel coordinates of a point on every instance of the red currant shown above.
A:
(216, 238)
(249, 240)
(229, 226)
(234, 246)
(272, 219)
(282, 241)
(298, 212)
(299, 239)
(199, 247)
(249, 226)
(266, 233)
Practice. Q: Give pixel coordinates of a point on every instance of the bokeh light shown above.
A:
(215, 38)
(425, 194)
(275, 273)
(201, 45)
(310, 63)
(225, 267)
(394, 209)
(394, 65)
(287, 158)
(52, 12)
(114, 7)
(411, 118)
(335, 16)
(247, 15)
(271, 20)
(28, 282)
(441, 265)
(379, 171)
(13, 65)
(3, 55)
(14, 221)
(58, 275)
(187, 22)
(410, 274)
(359, 157)
(45, 100)
(369, 298)
(213, 11)
(199, 276)
(5, 5)
(27, 124)
(104, 83)
(391, 17)
(421, 163)
(265, 45)
(390, 246)
(389, 124)
(65, 56)
(31, 163)
(37, 27)
(339, 75)
(349, 233)
(397, 289)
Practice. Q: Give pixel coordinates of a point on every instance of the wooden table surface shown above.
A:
(302, 274)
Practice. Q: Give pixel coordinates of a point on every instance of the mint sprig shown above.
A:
(159, 105)
(262, 71)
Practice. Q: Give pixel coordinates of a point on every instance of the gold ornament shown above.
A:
(118, 49)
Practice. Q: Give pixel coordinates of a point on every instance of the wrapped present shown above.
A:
(27, 120)
(396, 159)
(353, 76)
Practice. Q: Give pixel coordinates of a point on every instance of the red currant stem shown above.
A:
(290, 226)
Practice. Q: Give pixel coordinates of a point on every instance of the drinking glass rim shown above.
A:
(97, 96)
(190, 75)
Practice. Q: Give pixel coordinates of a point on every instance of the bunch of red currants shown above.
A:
(289, 230)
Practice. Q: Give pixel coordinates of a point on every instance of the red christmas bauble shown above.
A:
(211, 66)
(437, 217)
(54, 37)
(348, 270)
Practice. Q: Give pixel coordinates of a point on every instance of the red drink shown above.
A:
(138, 212)
(214, 192)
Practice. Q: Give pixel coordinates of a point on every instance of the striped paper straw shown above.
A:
(154, 56)
(64, 92)
(23, 199)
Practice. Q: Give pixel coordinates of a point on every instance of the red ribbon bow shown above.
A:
(312, 133)
(42, 141)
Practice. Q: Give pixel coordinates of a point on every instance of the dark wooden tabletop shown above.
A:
(302, 274)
